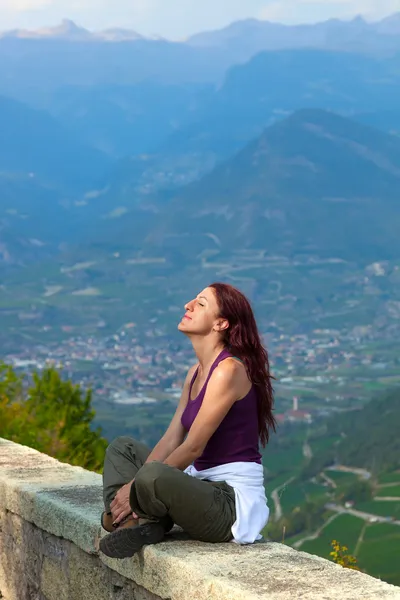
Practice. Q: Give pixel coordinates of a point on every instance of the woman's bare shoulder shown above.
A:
(232, 368)
(236, 373)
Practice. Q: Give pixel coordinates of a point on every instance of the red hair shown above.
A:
(243, 340)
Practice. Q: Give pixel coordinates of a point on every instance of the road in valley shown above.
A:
(360, 514)
(275, 497)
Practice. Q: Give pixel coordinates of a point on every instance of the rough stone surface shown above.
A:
(36, 565)
(49, 532)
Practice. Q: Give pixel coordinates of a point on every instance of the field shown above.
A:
(291, 496)
(271, 484)
(346, 529)
(381, 508)
(378, 545)
(281, 459)
(297, 493)
(379, 552)
(392, 491)
(381, 530)
(341, 478)
(390, 478)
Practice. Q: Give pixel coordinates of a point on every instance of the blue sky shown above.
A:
(177, 19)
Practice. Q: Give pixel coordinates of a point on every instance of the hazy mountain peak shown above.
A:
(259, 35)
(69, 30)
(390, 25)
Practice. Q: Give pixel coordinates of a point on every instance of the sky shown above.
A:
(177, 19)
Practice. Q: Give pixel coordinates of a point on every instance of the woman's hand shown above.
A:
(120, 507)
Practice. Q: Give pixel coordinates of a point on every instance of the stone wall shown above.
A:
(36, 565)
(49, 532)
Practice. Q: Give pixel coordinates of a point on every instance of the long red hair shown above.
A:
(243, 340)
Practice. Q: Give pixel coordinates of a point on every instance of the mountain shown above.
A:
(246, 38)
(354, 442)
(390, 25)
(33, 64)
(184, 131)
(34, 143)
(32, 217)
(387, 120)
(294, 219)
(274, 84)
(122, 120)
(31, 69)
(44, 176)
(314, 183)
(67, 30)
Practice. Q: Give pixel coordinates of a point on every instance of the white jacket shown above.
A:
(247, 479)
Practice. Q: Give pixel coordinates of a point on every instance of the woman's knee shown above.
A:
(119, 444)
(152, 473)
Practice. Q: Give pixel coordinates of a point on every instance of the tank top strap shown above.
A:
(192, 382)
(221, 356)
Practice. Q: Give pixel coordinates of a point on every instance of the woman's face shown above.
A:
(201, 316)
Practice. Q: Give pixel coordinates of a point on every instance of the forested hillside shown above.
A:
(367, 438)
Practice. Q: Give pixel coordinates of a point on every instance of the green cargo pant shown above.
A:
(205, 510)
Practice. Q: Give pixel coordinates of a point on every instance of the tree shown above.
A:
(53, 416)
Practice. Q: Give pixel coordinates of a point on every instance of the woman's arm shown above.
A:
(172, 438)
(223, 389)
(175, 433)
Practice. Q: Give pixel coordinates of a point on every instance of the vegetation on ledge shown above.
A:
(51, 415)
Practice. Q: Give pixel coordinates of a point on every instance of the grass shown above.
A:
(314, 491)
(288, 460)
(380, 556)
(291, 496)
(318, 445)
(389, 477)
(341, 478)
(345, 529)
(381, 530)
(392, 490)
(297, 493)
(271, 484)
(381, 508)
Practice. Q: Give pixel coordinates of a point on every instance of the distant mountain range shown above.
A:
(68, 30)
(273, 84)
(36, 63)
(34, 143)
(250, 35)
(169, 135)
(44, 172)
(314, 183)
(245, 38)
(293, 218)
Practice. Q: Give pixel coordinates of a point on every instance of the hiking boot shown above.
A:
(124, 543)
(107, 522)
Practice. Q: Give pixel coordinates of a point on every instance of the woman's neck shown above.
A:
(206, 351)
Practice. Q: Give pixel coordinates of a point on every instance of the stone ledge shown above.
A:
(66, 502)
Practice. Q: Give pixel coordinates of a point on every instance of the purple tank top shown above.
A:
(237, 438)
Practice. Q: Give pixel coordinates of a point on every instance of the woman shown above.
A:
(205, 474)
